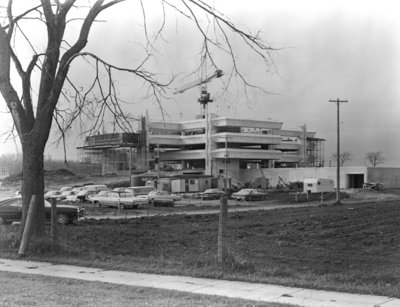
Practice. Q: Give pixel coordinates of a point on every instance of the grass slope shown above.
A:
(354, 248)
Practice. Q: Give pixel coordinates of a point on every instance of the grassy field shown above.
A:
(31, 290)
(353, 248)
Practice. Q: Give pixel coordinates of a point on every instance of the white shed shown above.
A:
(318, 185)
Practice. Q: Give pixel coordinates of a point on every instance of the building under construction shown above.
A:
(114, 153)
(212, 146)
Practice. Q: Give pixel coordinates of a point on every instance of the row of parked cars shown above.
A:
(101, 196)
(126, 197)
(73, 194)
(243, 194)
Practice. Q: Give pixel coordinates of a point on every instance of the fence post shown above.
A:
(28, 227)
(53, 202)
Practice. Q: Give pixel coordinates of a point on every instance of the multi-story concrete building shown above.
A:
(244, 149)
(213, 146)
(224, 145)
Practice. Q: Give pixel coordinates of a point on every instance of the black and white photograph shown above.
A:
(200, 153)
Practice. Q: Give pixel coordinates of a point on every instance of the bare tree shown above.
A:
(56, 100)
(344, 156)
(374, 158)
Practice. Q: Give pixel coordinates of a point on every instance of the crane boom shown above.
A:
(217, 74)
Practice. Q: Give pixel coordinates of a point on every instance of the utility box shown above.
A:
(318, 185)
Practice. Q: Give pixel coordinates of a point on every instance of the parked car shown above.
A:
(90, 197)
(63, 189)
(141, 190)
(211, 194)
(76, 190)
(120, 190)
(11, 211)
(249, 195)
(64, 195)
(162, 198)
(72, 197)
(90, 190)
(51, 194)
(117, 199)
(84, 194)
(96, 187)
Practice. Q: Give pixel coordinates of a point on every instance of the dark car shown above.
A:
(162, 198)
(11, 211)
(211, 194)
(249, 195)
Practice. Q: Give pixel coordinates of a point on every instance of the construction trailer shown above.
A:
(318, 185)
(190, 185)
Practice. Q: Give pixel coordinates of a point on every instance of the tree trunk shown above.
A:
(33, 184)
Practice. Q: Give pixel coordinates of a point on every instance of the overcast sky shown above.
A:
(331, 49)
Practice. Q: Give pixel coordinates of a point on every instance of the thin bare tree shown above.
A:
(344, 156)
(374, 158)
(57, 101)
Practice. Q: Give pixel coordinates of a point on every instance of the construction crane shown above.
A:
(204, 94)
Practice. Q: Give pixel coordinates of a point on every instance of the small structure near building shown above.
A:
(190, 185)
(318, 185)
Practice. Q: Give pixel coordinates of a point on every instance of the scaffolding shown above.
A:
(113, 154)
(315, 152)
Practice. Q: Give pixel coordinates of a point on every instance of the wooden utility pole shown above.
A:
(223, 214)
(338, 102)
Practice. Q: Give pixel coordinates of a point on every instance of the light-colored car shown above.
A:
(63, 189)
(120, 190)
(84, 194)
(52, 194)
(72, 197)
(249, 195)
(76, 190)
(162, 198)
(64, 195)
(117, 199)
(91, 198)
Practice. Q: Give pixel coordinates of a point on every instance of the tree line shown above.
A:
(11, 164)
(373, 158)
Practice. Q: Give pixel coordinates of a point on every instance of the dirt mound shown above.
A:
(12, 178)
(60, 172)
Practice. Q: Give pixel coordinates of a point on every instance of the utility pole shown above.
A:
(157, 163)
(338, 102)
(226, 167)
(223, 214)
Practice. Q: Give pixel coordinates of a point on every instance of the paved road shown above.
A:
(233, 289)
(180, 210)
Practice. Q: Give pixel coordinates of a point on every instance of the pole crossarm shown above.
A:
(338, 100)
